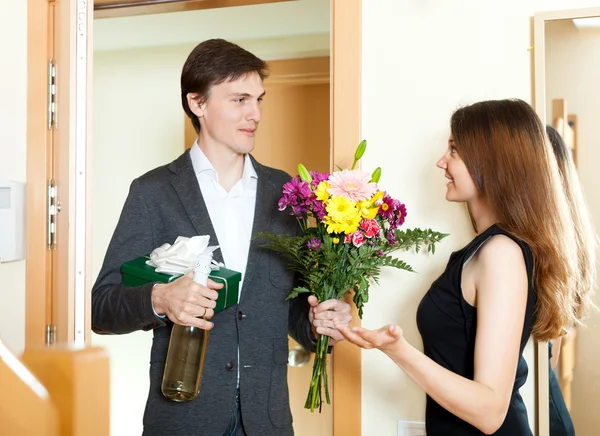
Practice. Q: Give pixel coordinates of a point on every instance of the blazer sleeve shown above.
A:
(118, 309)
(298, 324)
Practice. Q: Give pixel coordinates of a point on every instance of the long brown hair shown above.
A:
(505, 148)
(585, 237)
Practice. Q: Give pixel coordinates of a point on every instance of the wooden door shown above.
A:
(58, 69)
(294, 129)
(73, 101)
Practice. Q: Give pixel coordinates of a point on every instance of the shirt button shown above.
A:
(240, 315)
(229, 366)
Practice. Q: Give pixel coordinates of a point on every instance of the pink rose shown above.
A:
(347, 239)
(370, 227)
(358, 239)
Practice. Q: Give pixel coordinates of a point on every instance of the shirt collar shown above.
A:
(201, 164)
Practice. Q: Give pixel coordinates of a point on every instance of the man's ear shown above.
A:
(196, 104)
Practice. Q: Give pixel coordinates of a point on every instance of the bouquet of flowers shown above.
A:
(348, 228)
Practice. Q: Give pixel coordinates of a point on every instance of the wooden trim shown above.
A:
(541, 348)
(63, 161)
(567, 14)
(38, 258)
(26, 407)
(346, 117)
(89, 165)
(78, 383)
(541, 395)
(125, 8)
(305, 71)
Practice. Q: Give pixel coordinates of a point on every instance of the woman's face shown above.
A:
(460, 186)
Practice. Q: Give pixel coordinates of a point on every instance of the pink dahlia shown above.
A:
(352, 184)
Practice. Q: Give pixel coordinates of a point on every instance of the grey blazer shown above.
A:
(163, 204)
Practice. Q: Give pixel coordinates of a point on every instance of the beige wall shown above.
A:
(421, 60)
(572, 72)
(13, 89)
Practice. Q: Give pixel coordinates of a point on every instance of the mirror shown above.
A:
(139, 125)
(572, 104)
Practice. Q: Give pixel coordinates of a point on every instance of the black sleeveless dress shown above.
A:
(448, 326)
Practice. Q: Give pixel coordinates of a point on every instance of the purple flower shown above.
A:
(318, 177)
(295, 195)
(298, 188)
(318, 209)
(380, 253)
(391, 237)
(393, 211)
(387, 207)
(314, 244)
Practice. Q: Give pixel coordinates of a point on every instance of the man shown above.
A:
(216, 188)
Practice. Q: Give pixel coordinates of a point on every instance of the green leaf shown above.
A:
(297, 291)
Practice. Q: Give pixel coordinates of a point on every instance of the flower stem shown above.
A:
(319, 377)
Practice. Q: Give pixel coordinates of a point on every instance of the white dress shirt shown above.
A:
(231, 213)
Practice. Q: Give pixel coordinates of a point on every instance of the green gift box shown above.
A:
(136, 273)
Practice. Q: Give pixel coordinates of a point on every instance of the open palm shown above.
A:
(382, 339)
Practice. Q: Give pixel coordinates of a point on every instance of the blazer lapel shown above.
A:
(186, 185)
(267, 196)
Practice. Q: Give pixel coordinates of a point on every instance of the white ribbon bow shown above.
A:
(181, 257)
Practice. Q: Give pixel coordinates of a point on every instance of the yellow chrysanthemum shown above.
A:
(341, 209)
(335, 240)
(352, 224)
(321, 191)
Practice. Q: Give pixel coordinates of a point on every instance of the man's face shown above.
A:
(230, 115)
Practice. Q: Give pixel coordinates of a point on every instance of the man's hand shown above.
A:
(186, 302)
(324, 316)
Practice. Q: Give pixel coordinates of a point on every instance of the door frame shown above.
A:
(539, 98)
(74, 297)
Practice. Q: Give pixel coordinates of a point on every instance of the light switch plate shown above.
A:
(411, 428)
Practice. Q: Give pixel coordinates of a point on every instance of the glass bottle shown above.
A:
(187, 350)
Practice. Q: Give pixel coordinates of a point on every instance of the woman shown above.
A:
(516, 278)
(561, 423)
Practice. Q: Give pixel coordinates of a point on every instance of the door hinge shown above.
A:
(51, 94)
(53, 209)
(50, 334)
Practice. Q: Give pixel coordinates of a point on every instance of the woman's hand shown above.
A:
(386, 339)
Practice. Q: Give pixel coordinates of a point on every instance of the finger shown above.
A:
(206, 302)
(332, 323)
(331, 332)
(214, 285)
(197, 322)
(330, 314)
(209, 314)
(334, 305)
(207, 293)
(354, 338)
(189, 309)
(313, 301)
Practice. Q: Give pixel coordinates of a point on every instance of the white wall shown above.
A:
(13, 89)
(572, 72)
(421, 60)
